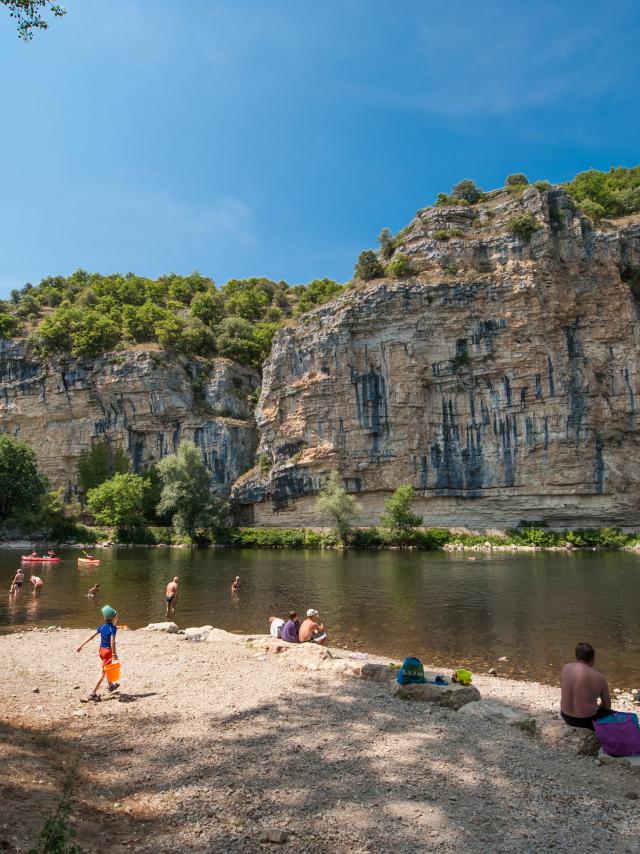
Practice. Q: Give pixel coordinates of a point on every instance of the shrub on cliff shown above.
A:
(594, 210)
(467, 191)
(21, 483)
(524, 225)
(399, 266)
(338, 507)
(316, 293)
(387, 243)
(186, 494)
(10, 326)
(119, 502)
(617, 191)
(517, 179)
(368, 266)
(398, 517)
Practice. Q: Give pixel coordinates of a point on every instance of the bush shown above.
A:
(594, 210)
(387, 243)
(368, 266)
(10, 326)
(517, 179)
(524, 225)
(399, 267)
(543, 186)
(467, 191)
(617, 191)
(440, 234)
(366, 538)
(398, 517)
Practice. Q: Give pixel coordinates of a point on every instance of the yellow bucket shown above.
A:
(112, 671)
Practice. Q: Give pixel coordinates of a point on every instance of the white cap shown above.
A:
(312, 612)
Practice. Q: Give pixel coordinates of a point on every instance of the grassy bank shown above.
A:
(428, 539)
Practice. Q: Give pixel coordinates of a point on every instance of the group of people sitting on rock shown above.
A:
(311, 630)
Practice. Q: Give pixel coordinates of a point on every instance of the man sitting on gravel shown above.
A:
(581, 687)
(312, 629)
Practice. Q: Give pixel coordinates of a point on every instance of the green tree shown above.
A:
(186, 493)
(208, 307)
(235, 340)
(387, 243)
(9, 325)
(21, 483)
(468, 191)
(99, 463)
(518, 179)
(338, 506)
(398, 516)
(368, 266)
(29, 15)
(119, 502)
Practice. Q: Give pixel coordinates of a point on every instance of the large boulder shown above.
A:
(170, 628)
(307, 656)
(219, 635)
(581, 742)
(197, 634)
(491, 710)
(450, 696)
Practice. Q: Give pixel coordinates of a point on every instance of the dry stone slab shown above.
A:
(378, 672)
(197, 634)
(493, 711)
(450, 696)
(219, 635)
(630, 762)
(168, 627)
(581, 742)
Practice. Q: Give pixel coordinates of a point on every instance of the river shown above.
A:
(454, 608)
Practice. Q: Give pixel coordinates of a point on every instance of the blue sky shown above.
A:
(277, 137)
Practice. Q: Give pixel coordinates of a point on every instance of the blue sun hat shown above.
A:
(108, 612)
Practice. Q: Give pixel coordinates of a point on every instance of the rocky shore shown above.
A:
(225, 743)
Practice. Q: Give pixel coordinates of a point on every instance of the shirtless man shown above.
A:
(94, 591)
(171, 595)
(236, 585)
(18, 581)
(37, 584)
(581, 688)
(313, 629)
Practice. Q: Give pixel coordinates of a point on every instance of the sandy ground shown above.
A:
(211, 747)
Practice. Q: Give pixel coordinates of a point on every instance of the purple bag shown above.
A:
(619, 734)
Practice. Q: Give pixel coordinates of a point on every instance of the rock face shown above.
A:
(142, 400)
(501, 380)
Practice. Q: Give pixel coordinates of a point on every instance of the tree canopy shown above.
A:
(29, 15)
(186, 492)
(119, 502)
(337, 506)
(86, 314)
(398, 516)
(21, 484)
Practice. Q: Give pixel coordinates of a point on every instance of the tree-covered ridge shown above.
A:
(86, 314)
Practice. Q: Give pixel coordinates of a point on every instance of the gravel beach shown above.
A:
(217, 747)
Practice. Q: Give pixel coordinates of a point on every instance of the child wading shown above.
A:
(107, 651)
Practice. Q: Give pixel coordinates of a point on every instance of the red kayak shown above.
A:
(28, 559)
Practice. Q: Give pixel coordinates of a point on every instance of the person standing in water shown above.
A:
(18, 581)
(236, 585)
(171, 596)
(37, 584)
(94, 590)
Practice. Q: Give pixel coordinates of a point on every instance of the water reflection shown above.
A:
(529, 608)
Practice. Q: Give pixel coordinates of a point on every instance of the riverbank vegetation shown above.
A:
(173, 504)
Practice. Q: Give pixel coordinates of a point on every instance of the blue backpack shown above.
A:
(411, 672)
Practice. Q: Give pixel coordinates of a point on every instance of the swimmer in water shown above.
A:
(94, 590)
(236, 585)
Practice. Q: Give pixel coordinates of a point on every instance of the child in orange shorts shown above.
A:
(107, 651)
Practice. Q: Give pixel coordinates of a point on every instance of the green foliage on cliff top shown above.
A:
(86, 314)
(617, 191)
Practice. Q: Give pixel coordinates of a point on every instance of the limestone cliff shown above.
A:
(501, 380)
(143, 400)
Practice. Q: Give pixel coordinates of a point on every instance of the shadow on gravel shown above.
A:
(343, 768)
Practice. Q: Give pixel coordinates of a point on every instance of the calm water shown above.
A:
(531, 608)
